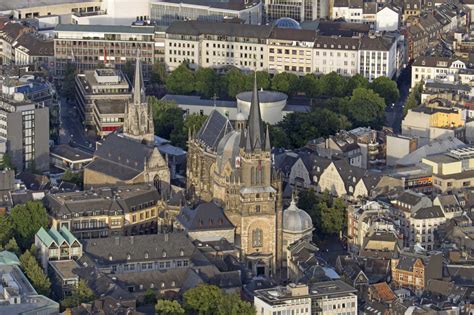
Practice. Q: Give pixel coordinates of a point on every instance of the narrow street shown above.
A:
(394, 115)
(71, 129)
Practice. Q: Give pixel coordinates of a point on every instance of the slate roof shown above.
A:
(197, 28)
(122, 199)
(409, 197)
(206, 216)
(156, 246)
(428, 213)
(378, 43)
(432, 61)
(35, 45)
(214, 129)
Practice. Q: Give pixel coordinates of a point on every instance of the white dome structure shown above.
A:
(271, 105)
(297, 225)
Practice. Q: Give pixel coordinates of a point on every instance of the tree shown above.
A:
(193, 122)
(6, 229)
(69, 82)
(263, 80)
(333, 85)
(206, 82)
(414, 98)
(27, 219)
(366, 108)
(310, 85)
(235, 82)
(158, 73)
(285, 82)
(387, 89)
(169, 121)
(356, 81)
(79, 294)
(168, 307)
(180, 80)
(7, 162)
(150, 297)
(278, 137)
(12, 246)
(232, 304)
(71, 177)
(202, 299)
(35, 274)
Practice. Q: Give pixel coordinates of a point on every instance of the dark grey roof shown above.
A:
(70, 153)
(7, 180)
(122, 199)
(197, 28)
(330, 28)
(110, 250)
(335, 42)
(114, 29)
(120, 157)
(409, 197)
(214, 129)
(331, 288)
(376, 43)
(111, 106)
(206, 216)
(36, 46)
(431, 61)
(428, 213)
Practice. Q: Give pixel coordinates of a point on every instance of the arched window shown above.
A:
(257, 238)
(110, 257)
(181, 252)
(146, 255)
(164, 253)
(128, 257)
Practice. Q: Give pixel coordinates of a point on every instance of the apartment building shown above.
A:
(426, 68)
(264, 47)
(424, 223)
(121, 210)
(164, 13)
(453, 170)
(292, 299)
(9, 33)
(102, 95)
(88, 46)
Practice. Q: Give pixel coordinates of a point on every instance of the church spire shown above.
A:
(268, 147)
(255, 125)
(138, 90)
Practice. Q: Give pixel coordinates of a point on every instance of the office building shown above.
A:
(292, 299)
(101, 96)
(298, 10)
(333, 297)
(88, 46)
(164, 13)
(24, 127)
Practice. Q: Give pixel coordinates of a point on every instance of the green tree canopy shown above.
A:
(235, 81)
(366, 108)
(354, 82)
(206, 82)
(203, 299)
(6, 229)
(71, 177)
(158, 73)
(232, 304)
(27, 219)
(386, 88)
(194, 122)
(180, 80)
(150, 297)
(414, 98)
(285, 82)
(278, 137)
(35, 273)
(310, 85)
(80, 294)
(12, 246)
(169, 121)
(168, 307)
(333, 85)
(7, 162)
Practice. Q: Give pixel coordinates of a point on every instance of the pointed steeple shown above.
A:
(255, 126)
(138, 90)
(268, 147)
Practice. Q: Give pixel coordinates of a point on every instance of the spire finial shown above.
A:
(138, 90)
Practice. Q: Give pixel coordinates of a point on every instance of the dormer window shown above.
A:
(162, 284)
(129, 257)
(146, 255)
(181, 252)
(173, 283)
(164, 254)
(110, 257)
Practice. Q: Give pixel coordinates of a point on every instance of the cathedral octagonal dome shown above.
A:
(228, 149)
(296, 220)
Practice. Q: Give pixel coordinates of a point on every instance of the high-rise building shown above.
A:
(24, 127)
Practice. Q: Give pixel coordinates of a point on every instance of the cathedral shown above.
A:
(231, 165)
(130, 157)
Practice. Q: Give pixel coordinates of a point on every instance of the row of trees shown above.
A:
(327, 212)
(207, 82)
(206, 299)
(39, 280)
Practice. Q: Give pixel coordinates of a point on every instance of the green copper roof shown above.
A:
(57, 236)
(68, 235)
(45, 237)
(8, 258)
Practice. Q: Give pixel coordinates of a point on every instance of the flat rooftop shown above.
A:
(441, 158)
(64, 268)
(220, 4)
(21, 4)
(73, 154)
(336, 288)
(110, 29)
(111, 107)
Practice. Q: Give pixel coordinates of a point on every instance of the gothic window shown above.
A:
(257, 209)
(257, 238)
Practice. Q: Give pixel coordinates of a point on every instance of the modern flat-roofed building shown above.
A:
(66, 157)
(292, 299)
(101, 95)
(164, 13)
(87, 46)
(333, 297)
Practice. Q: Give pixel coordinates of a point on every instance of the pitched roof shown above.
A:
(383, 291)
(428, 213)
(206, 216)
(8, 258)
(197, 28)
(35, 45)
(44, 236)
(214, 129)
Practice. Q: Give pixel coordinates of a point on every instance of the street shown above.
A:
(394, 115)
(71, 129)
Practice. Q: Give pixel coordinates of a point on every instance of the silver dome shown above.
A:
(296, 220)
(228, 149)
